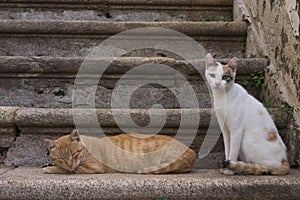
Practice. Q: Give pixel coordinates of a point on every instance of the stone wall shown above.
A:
(274, 32)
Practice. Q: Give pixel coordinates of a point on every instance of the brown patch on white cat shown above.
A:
(249, 168)
(272, 135)
(283, 169)
(225, 68)
(260, 113)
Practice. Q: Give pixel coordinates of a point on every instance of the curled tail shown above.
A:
(257, 169)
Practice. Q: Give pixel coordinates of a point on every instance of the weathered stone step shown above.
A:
(67, 67)
(32, 125)
(31, 184)
(77, 38)
(118, 10)
(45, 120)
(49, 81)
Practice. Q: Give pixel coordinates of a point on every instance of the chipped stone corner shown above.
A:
(8, 130)
(292, 8)
(274, 32)
(240, 12)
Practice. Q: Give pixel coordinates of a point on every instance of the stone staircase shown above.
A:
(43, 45)
(30, 183)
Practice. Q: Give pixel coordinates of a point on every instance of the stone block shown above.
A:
(7, 116)
(7, 136)
(117, 10)
(49, 81)
(29, 150)
(77, 38)
(29, 183)
(7, 126)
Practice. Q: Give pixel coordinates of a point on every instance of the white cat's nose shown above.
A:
(218, 84)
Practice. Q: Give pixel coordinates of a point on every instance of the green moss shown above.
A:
(211, 18)
(256, 81)
(161, 198)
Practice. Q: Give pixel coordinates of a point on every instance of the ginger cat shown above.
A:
(249, 132)
(129, 153)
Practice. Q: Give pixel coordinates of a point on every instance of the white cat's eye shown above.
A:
(212, 76)
(226, 77)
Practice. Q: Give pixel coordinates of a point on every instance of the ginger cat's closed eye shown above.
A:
(131, 153)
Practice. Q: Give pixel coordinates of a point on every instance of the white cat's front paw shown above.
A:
(227, 172)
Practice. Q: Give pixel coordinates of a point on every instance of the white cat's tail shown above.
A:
(257, 169)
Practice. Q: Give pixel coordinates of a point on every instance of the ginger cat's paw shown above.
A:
(55, 170)
(47, 170)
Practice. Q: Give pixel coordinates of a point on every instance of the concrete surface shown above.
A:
(30, 183)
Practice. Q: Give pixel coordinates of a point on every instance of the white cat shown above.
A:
(249, 132)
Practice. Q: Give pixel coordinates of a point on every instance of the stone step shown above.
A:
(29, 126)
(47, 120)
(67, 67)
(117, 10)
(49, 81)
(78, 38)
(30, 183)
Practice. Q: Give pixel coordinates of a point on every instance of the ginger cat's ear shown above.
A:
(209, 60)
(75, 136)
(49, 144)
(233, 63)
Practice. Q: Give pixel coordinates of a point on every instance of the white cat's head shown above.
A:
(220, 76)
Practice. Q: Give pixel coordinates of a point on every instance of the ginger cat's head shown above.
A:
(67, 151)
(220, 76)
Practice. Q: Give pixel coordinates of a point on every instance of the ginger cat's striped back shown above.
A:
(131, 153)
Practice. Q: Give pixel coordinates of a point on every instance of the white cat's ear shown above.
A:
(75, 135)
(209, 60)
(233, 63)
(49, 144)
